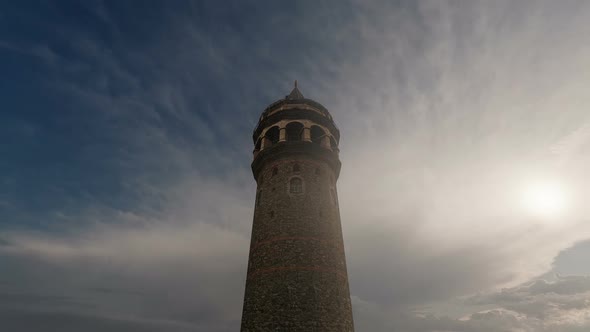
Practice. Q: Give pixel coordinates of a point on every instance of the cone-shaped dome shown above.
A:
(295, 106)
(295, 98)
(295, 93)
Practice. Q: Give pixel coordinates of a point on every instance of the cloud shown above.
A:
(563, 302)
(462, 110)
(40, 51)
(537, 306)
(27, 321)
(186, 275)
(444, 110)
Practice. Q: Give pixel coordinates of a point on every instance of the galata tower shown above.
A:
(297, 279)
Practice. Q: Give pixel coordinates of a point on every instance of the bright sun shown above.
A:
(545, 199)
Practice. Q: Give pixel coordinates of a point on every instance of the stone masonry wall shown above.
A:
(297, 279)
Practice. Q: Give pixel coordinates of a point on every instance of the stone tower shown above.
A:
(297, 279)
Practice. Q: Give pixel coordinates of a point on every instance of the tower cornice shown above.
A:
(289, 150)
(291, 101)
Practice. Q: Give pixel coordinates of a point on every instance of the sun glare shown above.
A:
(545, 199)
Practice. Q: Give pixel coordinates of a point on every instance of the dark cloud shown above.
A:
(540, 297)
(66, 321)
(142, 296)
(521, 308)
(573, 260)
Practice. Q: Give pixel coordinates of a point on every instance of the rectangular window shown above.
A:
(296, 186)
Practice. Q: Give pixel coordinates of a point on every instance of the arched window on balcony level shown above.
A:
(294, 131)
(272, 136)
(333, 144)
(317, 134)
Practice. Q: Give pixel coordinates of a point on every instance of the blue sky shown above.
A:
(125, 187)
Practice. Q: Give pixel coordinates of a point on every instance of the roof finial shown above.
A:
(295, 93)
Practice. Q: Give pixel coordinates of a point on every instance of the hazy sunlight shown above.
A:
(546, 199)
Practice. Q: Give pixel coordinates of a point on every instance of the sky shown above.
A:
(126, 195)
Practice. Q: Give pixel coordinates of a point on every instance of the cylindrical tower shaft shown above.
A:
(297, 278)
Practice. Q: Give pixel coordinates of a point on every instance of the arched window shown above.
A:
(296, 168)
(294, 131)
(296, 186)
(275, 171)
(272, 136)
(317, 134)
(333, 144)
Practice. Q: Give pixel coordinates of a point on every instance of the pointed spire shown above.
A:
(295, 93)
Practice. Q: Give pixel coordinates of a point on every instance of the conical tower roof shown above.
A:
(295, 105)
(295, 93)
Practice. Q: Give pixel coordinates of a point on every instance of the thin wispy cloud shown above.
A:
(132, 196)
